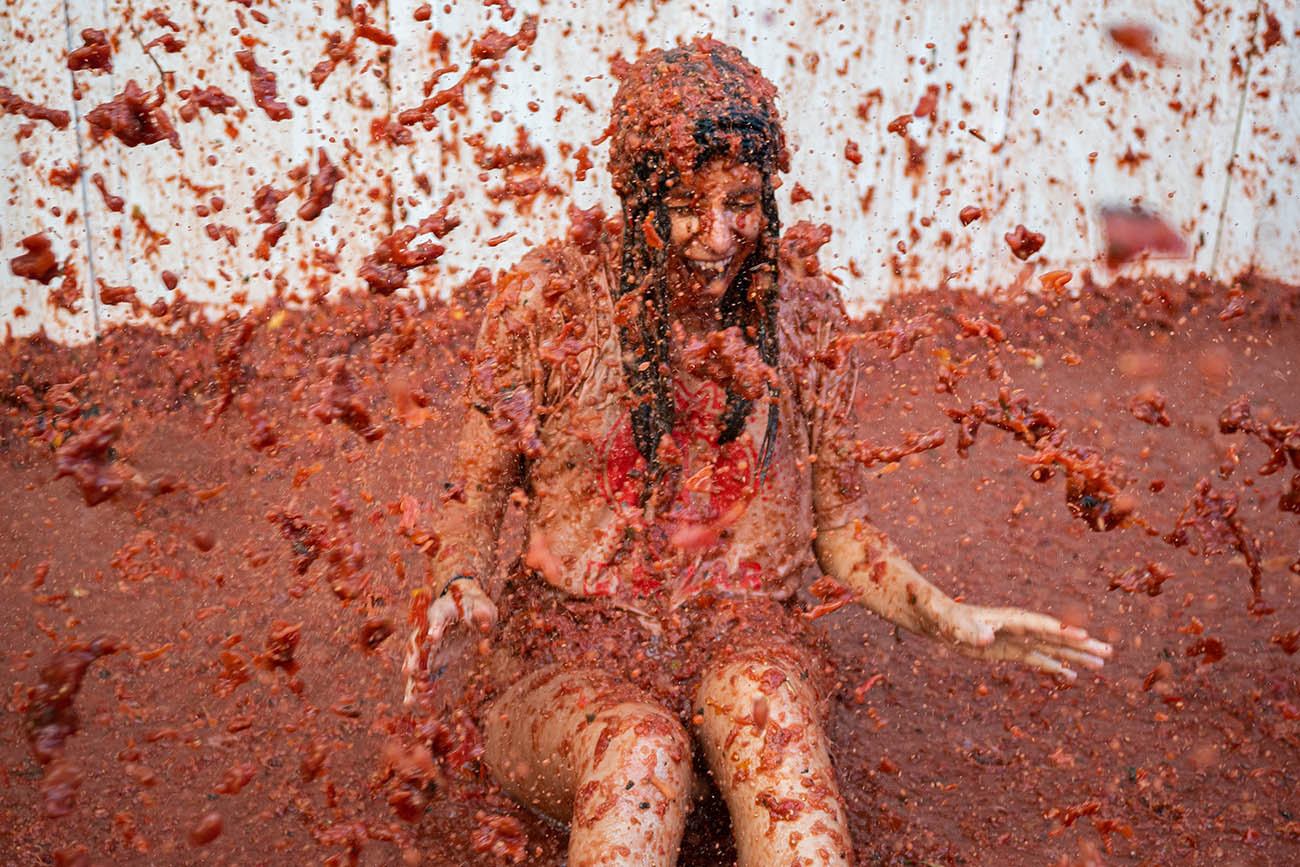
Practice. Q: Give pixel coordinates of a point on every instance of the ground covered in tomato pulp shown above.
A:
(266, 493)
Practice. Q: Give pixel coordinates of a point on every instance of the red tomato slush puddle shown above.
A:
(212, 537)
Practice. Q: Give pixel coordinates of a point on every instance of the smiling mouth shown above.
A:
(712, 269)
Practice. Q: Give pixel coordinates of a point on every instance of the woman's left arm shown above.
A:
(822, 353)
(880, 578)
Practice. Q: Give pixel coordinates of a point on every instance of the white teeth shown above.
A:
(715, 267)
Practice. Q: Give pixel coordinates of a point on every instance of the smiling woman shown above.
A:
(714, 219)
(673, 395)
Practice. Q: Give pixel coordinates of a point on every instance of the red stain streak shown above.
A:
(265, 90)
(375, 35)
(112, 202)
(927, 105)
(1136, 38)
(1272, 34)
(320, 194)
(14, 104)
(915, 157)
(453, 96)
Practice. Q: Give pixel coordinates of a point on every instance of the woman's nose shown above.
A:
(718, 230)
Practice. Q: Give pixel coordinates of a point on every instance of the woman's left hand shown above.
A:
(1036, 640)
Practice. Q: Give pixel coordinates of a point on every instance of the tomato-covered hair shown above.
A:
(676, 111)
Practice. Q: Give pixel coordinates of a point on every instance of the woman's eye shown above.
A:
(744, 203)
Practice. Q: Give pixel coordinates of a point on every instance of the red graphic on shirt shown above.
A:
(716, 485)
(715, 479)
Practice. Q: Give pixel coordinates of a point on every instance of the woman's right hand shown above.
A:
(462, 601)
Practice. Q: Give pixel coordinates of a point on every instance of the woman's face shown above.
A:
(715, 217)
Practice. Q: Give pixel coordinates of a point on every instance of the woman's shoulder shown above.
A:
(554, 280)
(817, 339)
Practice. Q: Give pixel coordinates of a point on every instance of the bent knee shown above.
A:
(634, 764)
(630, 736)
(760, 708)
(769, 680)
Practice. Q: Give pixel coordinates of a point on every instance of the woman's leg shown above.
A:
(584, 750)
(766, 748)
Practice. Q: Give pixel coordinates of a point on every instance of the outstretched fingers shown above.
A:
(1087, 660)
(1055, 659)
(1046, 629)
(1016, 621)
(1014, 651)
(1064, 654)
(1043, 662)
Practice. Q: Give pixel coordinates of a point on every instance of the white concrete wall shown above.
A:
(1038, 106)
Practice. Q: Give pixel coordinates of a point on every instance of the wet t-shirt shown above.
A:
(548, 373)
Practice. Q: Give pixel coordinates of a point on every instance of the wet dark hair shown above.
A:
(676, 112)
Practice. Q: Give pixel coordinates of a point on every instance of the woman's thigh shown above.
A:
(760, 728)
(553, 731)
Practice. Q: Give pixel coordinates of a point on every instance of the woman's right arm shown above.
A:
(499, 432)
(474, 504)
(474, 500)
